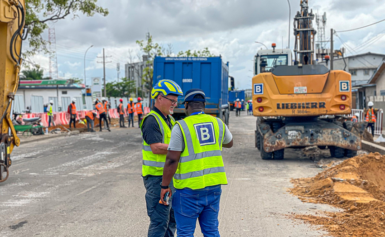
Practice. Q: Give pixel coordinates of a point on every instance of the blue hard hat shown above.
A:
(166, 87)
(190, 96)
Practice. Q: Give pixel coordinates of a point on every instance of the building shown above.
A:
(248, 93)
(134, 71)
(36, 94)
(360, 66)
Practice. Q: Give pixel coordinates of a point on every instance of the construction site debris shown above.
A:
(357, 186)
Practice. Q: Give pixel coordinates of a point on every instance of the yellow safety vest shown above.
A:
(153, 163)
(50, 110)
(201, 164)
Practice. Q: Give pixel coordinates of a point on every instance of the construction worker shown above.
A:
(102, 115)
(121, 114)
(130, 111)
(90, 117)
(243, 105)
(238, 107)
(72, 112)
(156, 131)
(106, 108)
(370, 116)
(194, 162)
(50, 114)
(139, 110)
(250, 107)
(355, 117)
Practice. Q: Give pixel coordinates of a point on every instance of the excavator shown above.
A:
(305, 104)
(12, 32)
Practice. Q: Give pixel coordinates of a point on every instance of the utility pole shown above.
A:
(104, 70)
(331, 49)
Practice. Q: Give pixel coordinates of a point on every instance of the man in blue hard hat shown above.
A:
(156, 132)
(194, 162)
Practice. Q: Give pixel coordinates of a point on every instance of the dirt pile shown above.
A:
(357, 186)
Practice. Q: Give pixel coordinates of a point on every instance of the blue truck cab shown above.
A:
(210, 74)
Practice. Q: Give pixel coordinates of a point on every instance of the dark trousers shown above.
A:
(162, 220)
(73, 120)
(101, 117)
(90, 123)
(50, 120)
(238, 112)
(371, 125)
(139, 119)
(121, 120)
(131, 118)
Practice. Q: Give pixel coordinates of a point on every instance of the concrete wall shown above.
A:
(380, 84)
(46, 93)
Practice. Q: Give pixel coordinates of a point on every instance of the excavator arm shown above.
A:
(12, 20)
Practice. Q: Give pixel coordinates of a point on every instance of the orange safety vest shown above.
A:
(73, 108)
(374, 119)
(100, 108)
(138, 108)
(121, 109)
(354, 119)
(106, 106)
(130, 109)
(238, 104)
(90, 115)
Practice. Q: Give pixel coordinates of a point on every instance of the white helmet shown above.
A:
(103, 98)
(242, 100)
(357, 114)
(51, 101)
(370, 103)
(73, 100)
(237, 99)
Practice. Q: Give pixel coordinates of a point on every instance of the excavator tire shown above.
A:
(337, 152)
(264, 155)
(277, 155)
(350, 153)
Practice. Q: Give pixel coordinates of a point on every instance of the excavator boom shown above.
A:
(12, 20)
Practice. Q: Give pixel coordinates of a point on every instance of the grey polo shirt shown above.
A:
(177, 141)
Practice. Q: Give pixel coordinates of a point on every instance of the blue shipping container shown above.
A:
(210, 74)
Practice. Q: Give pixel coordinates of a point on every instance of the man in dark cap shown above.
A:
(194, 161)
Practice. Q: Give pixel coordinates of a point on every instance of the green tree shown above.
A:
(32, 74)
(152, 49)
(40, 12)
(120, 89)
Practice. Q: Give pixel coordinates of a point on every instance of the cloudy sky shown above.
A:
(227, 27)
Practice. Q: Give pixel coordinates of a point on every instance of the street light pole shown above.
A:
(85, 80)
(261, 43)
(288, 1)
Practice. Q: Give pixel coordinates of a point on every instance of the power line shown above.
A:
(361, 27)
(353, 51)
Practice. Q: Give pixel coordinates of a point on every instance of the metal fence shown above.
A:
(377, 125)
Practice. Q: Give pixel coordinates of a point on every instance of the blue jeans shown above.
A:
(162, 221)
(190, 205)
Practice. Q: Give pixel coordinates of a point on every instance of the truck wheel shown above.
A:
(278, 155)
(348, 125)
(350, 153)
(257, 140)
(337, 152)
(264, 155)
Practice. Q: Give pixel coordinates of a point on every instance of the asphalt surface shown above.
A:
(90, 185)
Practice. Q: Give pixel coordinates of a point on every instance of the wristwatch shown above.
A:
(164, 187)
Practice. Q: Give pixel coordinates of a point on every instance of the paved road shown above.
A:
(90, 185)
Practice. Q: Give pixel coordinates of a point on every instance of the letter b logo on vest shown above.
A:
(205, 133)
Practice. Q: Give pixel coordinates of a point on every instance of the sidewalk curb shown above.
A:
(372, 147)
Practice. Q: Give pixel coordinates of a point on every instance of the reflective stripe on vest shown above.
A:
(100, 108)
(138, 108)
(153, 164)
(374, 119)
(129, 109)
(73, 109)
(200, 164)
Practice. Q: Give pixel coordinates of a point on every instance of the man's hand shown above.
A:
(163, 193)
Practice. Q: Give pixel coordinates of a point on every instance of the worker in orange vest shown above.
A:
(72, 112)
(106, 108)
(102, 115)
(238, 106)
(90, 118)
(121, 114)
(139, 110)
(370, 116)
(355, 117)
(130, 112)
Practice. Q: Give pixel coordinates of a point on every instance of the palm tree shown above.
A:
(32, 74)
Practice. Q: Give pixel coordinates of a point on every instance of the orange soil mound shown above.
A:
(357, 186)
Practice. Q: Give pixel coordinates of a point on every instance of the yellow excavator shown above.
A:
(305, 104)
(12, 20)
